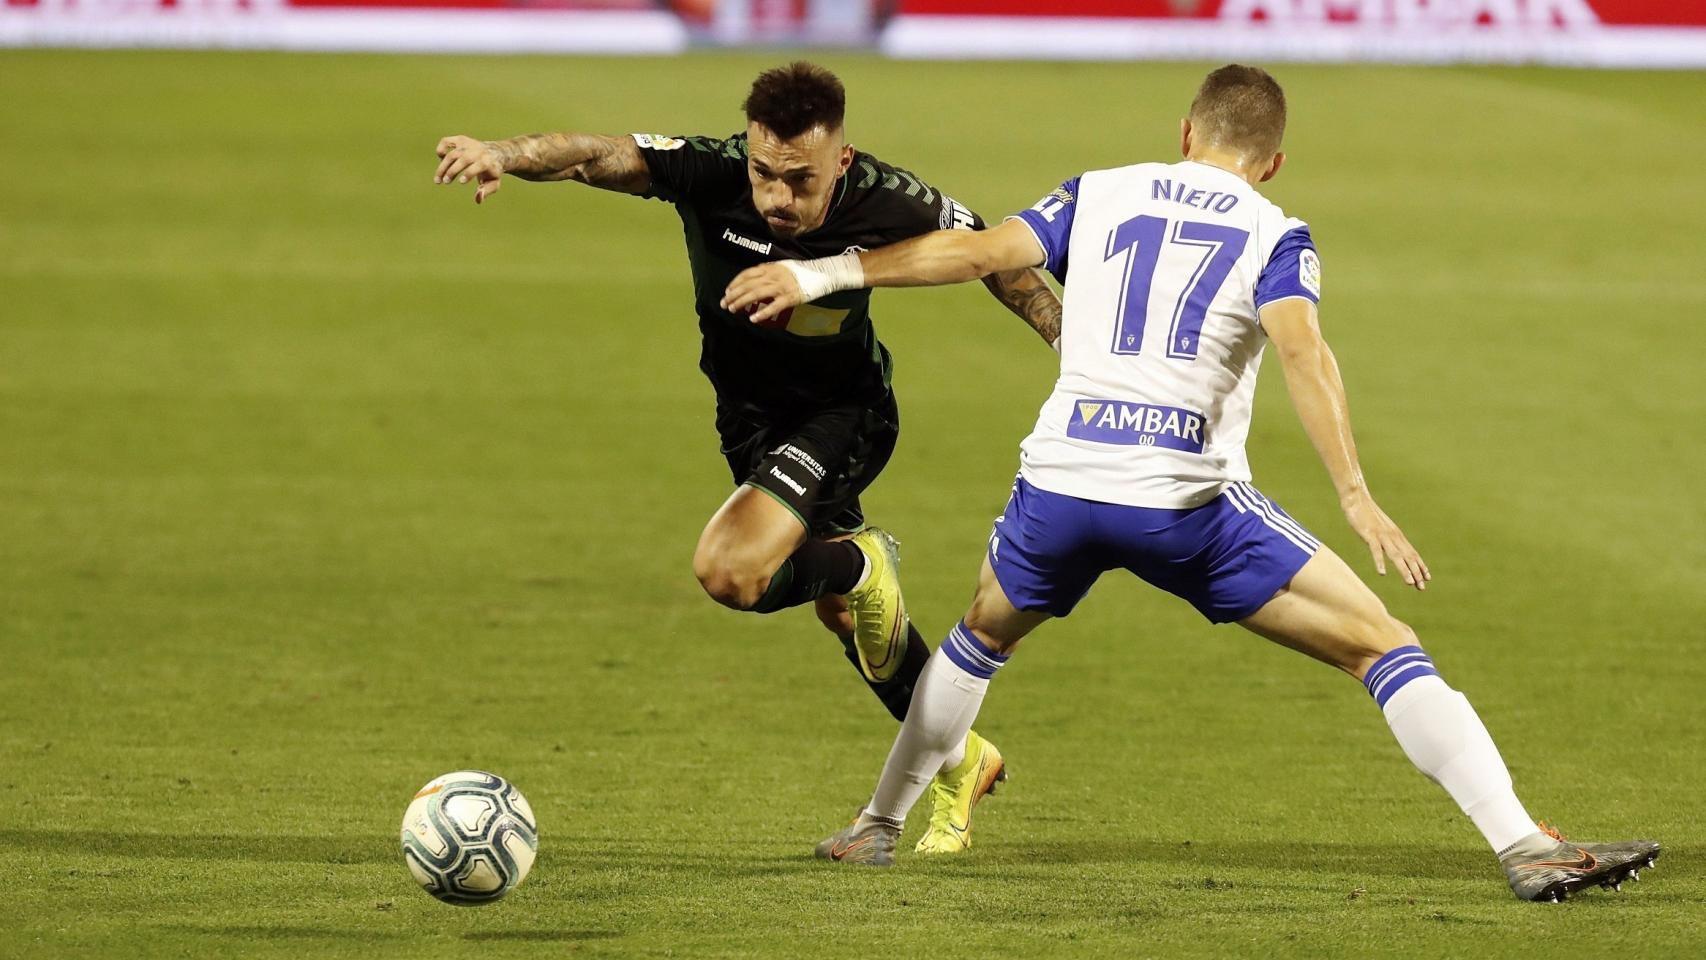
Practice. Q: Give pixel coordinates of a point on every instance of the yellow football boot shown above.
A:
(879, 613)
(954, 795)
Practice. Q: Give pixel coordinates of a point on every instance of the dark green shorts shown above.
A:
(816, 464)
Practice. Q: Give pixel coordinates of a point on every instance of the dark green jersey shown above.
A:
(820, 354)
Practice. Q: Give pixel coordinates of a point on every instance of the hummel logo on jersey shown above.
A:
(793, 484)
(741, 241)
(1137, 424)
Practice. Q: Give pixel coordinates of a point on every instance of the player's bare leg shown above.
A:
(755, 554)
(1328, 613)
(743, 546)
(938, 723)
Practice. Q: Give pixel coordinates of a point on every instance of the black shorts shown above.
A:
(815, 465)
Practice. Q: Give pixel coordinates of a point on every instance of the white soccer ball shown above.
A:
(469, 837)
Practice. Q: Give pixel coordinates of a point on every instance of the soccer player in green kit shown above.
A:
(805, 410)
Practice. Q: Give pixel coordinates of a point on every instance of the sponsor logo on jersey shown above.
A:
(1137, 424)
(1309, 271)
(811, 320)
(804, 459)
(793, 484)
(808, 320)
(955, 215)
(656, 141)
(748, 243)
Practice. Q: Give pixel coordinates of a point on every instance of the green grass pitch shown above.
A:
(317, 480)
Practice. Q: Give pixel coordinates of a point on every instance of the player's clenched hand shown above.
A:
(1385, 540)
(763, 292)
(462, 159)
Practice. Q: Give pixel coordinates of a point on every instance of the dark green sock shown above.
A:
(817, 568)
(896, 692)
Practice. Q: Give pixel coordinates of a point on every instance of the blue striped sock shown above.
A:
(969, 654)
(1398, 667)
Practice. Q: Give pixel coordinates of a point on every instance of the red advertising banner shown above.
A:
(1609, 33)
(1484, 13)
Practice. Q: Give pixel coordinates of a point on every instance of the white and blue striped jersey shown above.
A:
(1165, 267)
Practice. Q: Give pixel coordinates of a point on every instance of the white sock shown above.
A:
(945, 701)
(954, 757)
(1442, 735)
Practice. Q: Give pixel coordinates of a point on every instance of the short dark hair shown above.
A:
(1241, 108)
(793, 99)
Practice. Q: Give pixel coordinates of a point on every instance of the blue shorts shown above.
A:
(1227, 557)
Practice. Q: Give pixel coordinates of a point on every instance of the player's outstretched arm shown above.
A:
(611, 163)
(1318, 394)
(940, 257)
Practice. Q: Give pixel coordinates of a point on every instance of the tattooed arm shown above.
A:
(611, 163)
(1031, 299)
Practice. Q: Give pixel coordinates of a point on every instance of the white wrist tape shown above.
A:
(827, 275)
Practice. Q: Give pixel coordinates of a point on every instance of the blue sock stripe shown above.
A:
(958, 657)
(1390, 663)
(1396, 681)
(1396, 669)
(970, 655)
(976, 651)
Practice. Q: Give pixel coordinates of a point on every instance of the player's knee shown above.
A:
(726, 580)
(731, 589)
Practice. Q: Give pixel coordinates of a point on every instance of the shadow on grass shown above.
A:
(1378, 859)
(257, 847)
(258, 932)
(543, 936)
(1375, 859)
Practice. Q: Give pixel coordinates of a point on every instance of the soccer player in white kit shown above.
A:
(1177, 276)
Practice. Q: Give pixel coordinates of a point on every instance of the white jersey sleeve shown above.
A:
(1165, 268)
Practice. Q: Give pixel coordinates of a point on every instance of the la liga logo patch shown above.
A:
(1309, 272)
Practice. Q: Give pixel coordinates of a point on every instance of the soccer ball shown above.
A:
(469, 837)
